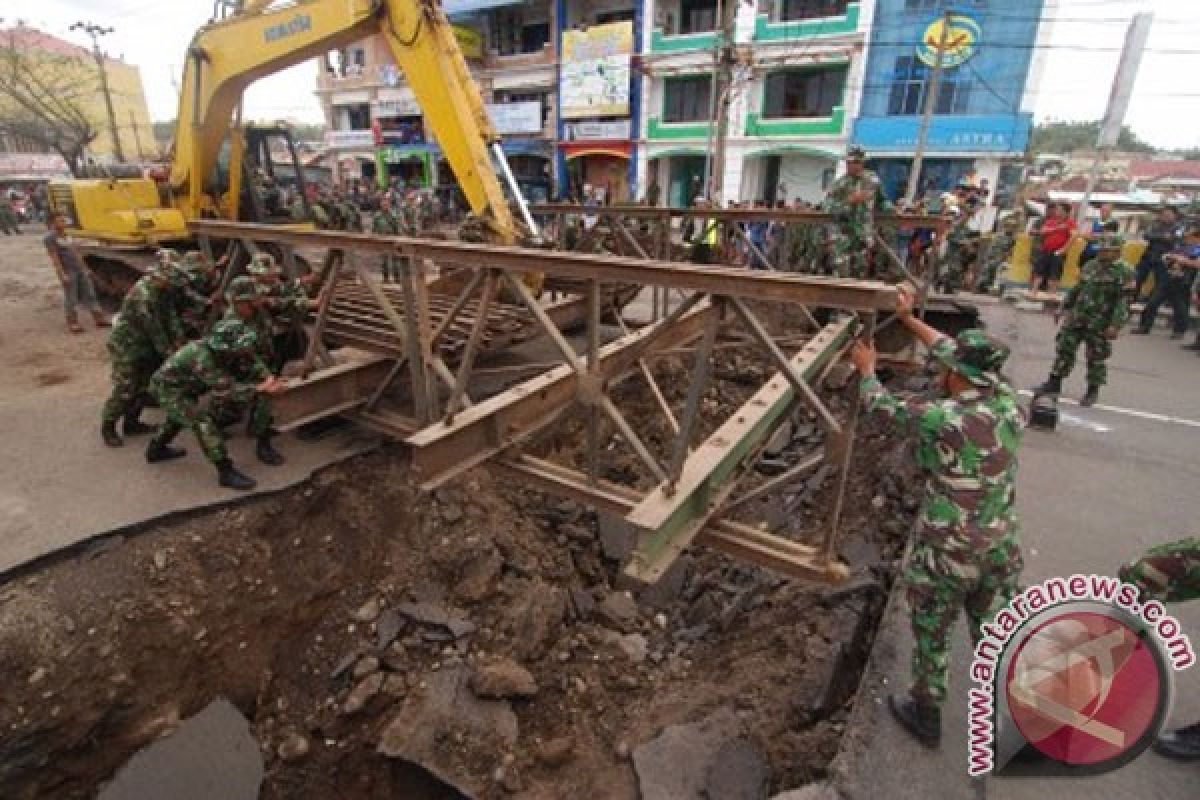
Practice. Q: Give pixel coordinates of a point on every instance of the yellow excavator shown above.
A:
(121, 221)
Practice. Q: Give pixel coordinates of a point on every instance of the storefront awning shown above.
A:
(677, 151)
(794, 150)
(576, 149)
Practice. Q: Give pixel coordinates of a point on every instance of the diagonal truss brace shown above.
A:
(669, 521)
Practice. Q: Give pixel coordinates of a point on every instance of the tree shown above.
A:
(1066, 137)
(42, 100)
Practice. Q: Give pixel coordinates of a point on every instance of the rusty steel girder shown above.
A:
(454, 422)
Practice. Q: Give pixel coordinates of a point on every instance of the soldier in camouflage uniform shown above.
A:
(196, 299)
(1170, 573)
(966, 553)
(221, 368)
(284, 307)
(998, 251)
(8, 216)
(1096, 309)
(146, 332)
(953, 269)
(853, 201)
(386, 223)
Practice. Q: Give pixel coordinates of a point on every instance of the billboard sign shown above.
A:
(595, 71)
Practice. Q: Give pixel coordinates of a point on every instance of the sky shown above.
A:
(154, 34)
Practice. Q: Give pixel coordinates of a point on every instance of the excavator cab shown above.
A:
(262, 169)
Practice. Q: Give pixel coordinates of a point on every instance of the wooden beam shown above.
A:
(670, 520)
(329, 391)
(441, 451)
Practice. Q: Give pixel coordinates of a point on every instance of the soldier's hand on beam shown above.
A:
(863, 357)
(272, 385)
(906, 297)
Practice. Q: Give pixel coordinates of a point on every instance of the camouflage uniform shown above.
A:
(1168, 572)
(146, 332)
(8, 217)
(954, 263)
(385, 223)
(853, 233)
(967, 552)
(997, 255)
(196, 298)
(1094, 305)
(284, 308)
(223, 368)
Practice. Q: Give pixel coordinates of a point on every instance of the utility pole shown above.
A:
(718, 46)
(935, 82)
(1118, 104)
(137, 136)
(96, 31)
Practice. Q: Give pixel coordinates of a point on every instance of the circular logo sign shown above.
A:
(962, 40)
(1087, 690)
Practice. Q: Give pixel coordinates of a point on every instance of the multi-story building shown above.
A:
(791, 98)
(981, 120)
(377, 130)
(66, 61)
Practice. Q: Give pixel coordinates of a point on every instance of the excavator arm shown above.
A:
(226, 56)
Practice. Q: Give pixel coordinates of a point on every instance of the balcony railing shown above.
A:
(786, 31)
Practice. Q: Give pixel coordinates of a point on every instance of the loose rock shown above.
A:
(503, 679)
(293, 748)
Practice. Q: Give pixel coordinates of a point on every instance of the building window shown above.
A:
(356, 117)
(697, 16)
(686, 99)
(521, 29)
(794, 10)
(909, 83)
(803, 93)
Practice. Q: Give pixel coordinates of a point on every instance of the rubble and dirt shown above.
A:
(477, 641)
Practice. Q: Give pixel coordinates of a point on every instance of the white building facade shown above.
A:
(792, 100)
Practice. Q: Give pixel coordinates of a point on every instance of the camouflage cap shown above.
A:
(195, 261)
(231, 336)
(166, 255)
(856, 153)
(976, 356)
(242, 289)
(1114, 241)
(262, 265)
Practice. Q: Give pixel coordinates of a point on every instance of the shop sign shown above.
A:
(349, 140)
(585, 131)
(523, 117)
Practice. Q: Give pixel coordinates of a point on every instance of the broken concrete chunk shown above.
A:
(362, 693)
(618, 610)
(430, 614)
(739, 771)
(675, 765)
(449, 711)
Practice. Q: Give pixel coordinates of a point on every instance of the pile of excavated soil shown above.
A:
(384, 642)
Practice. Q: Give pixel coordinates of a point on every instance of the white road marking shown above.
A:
(1080, 422)
(1129, 412)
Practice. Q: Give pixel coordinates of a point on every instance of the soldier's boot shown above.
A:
(108, 431)
(157, 452)
(267, 453)
(1053, 385)
(1183, 744)
(921, 720)
(1089, 399)
(231, 477)
(133, 424)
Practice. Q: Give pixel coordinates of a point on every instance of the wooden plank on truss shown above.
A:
(669, 521)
